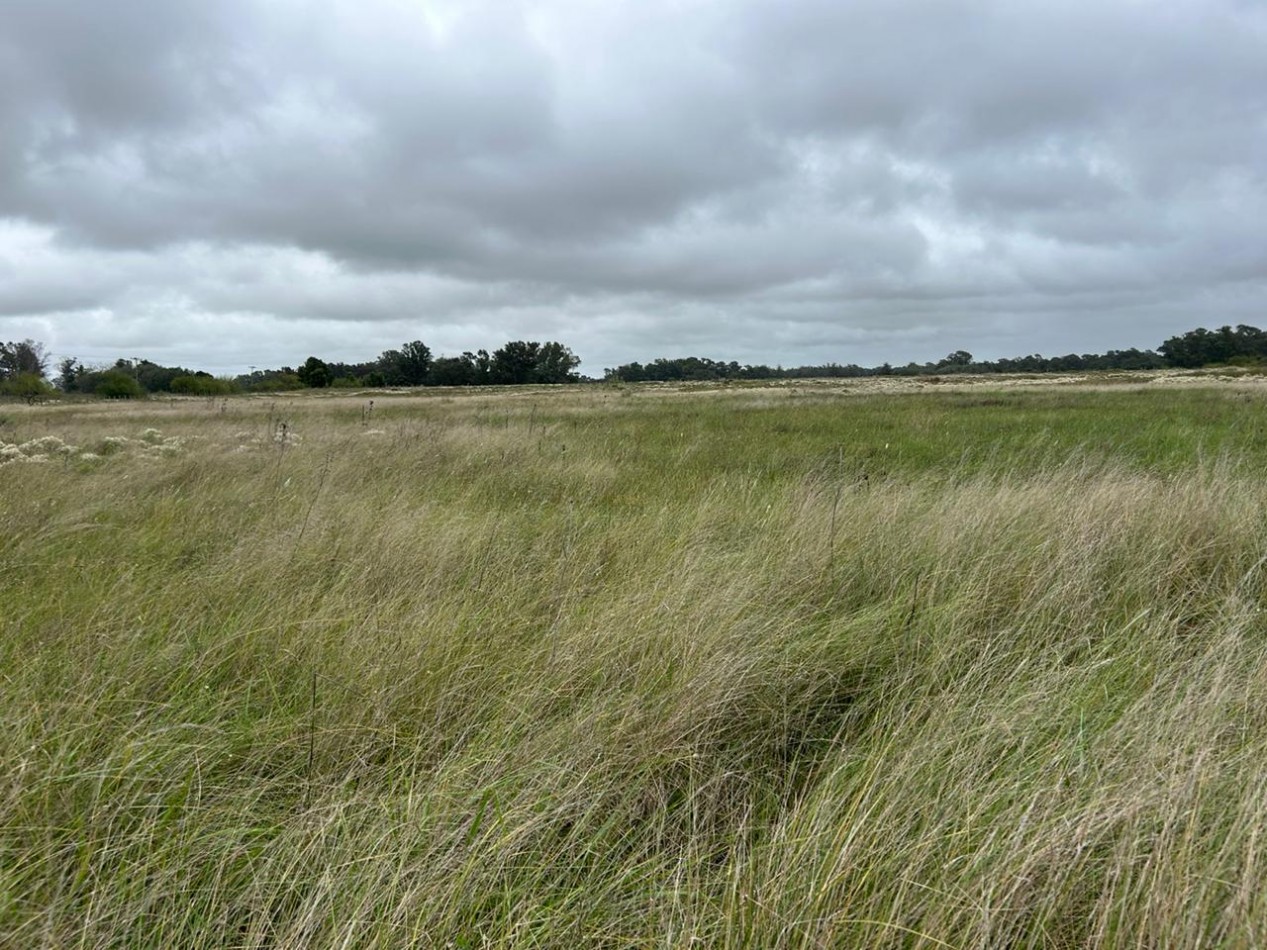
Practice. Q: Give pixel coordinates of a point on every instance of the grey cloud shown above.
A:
(89, 70)
(639, 176)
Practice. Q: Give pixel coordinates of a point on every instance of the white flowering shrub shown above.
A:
(152, 444)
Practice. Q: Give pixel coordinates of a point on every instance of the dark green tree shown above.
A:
(116, 384)
(407, 366)
(26, 356)
(69, 371)
(1194, 348)
(314, 374)
(1202, 347)
(481, 365)
(555, 364)
(515, 363)
(27, 386)
(452, 371)
(202, 384)
(958, 360)
(158, 379)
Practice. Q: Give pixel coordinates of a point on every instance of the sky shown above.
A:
(244, 183)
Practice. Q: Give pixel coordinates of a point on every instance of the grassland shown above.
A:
(787, 666)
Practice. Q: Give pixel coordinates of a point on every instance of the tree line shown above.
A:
(25, 372)
(25, 368)
(1243, 345)
(517, 363)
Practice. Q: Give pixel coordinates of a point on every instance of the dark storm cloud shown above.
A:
(862, 181)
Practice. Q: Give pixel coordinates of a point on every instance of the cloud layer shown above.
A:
(250, 181)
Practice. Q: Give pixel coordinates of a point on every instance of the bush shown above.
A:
(28, 386)
(113, 384)
(202, 385)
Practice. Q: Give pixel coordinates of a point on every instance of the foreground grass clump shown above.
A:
(761, 667)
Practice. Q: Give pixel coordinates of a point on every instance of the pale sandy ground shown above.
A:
(875, 385)
(146, 411)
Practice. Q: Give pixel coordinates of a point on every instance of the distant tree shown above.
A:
(515, 363)
(762, 371)
(116, 384)
(314, 374)
(628, 373)
(960, 359)
(1192, 349)
(203, 384)
(695, 368)
(27, 386)
(26, 356)
(407, 366)
(1069, 363)
(1202, 347)
(159, 379)
(1133, 359)
(68, 372)
(354, 371)
(452, 371)
(698, 369)
(481, 366)
(1251, 342)
(187, 386)
(269, 380)
(555, 364)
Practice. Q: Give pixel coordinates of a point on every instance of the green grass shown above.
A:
(740, 666)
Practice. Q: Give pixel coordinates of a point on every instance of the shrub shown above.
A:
(28, 386)
(202, 385)
(113, 384)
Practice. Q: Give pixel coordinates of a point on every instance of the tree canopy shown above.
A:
(24, 367)
(25, 356)
(1202, 347)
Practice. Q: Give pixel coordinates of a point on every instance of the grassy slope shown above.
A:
(758, 667)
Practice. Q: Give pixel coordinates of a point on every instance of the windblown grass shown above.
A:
(600, 668)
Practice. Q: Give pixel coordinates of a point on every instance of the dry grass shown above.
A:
(586, 668)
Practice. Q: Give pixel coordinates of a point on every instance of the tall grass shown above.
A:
(588, 668)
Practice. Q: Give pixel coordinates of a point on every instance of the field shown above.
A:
(826, 664)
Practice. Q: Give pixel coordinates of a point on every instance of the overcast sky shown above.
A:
(232, 183)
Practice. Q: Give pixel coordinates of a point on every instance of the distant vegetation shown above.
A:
(412, 365)
(1243, 345)
(24, 368)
